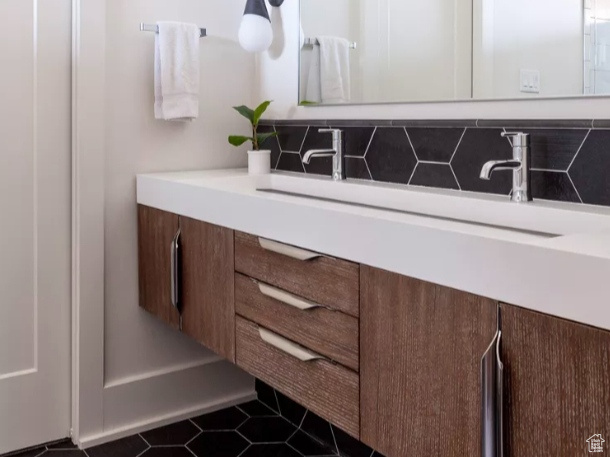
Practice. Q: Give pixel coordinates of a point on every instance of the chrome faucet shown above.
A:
(520, 166)
(336, 153)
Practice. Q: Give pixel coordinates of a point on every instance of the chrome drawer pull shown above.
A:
(287, 250)
(492, 400)
(175, 274)
(287, 298)
(289, 347)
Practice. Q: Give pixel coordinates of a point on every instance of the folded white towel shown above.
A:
(177, 71)
(335, 81)
(314, 92)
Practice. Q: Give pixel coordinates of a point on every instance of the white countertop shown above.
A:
(566, 276)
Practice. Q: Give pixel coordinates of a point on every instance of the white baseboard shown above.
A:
(141, 404)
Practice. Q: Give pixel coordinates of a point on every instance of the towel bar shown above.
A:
(314, 42)
(155, 28)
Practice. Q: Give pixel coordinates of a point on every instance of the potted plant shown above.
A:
(259, 161)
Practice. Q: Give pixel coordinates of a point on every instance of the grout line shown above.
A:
(548, 170)
(195, 437)
(412, 173)
(198, 427)
(189, 449)
(433, 162)
(332, 432)
(277, 402)
(370, 142)
(84, 452)
(144, 451)
(578, 151)
(411, 144)
(455, 177)
(242, 452)
(144, 439)
(242, 435)
(304, 138)
(575, 189)
(291, 152)
(458, 145)
(368, 169)
(294, 449)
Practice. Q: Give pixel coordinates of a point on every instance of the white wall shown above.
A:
(530, 35)
(278, 80)
(151, 372)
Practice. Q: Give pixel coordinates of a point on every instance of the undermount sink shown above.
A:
(540, 218)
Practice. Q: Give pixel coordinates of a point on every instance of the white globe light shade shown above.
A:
(255, 33)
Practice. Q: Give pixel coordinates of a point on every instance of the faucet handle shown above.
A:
(335, 132)
(517, 139)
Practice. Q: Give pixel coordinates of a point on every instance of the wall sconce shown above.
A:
(255, 33)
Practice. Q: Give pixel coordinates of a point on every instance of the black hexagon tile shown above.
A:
(267, 429)
(434, 175)
(390, 156)
(308, 446)
(174, 434)
(256, 408)
(291, 138)
(226, 419)
(435, 144)
(270, 450)
(591, 168)
(127, 447)
(477, 147)
(167, 451)
(218, 444)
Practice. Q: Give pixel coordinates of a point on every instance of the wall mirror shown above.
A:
(383, 51)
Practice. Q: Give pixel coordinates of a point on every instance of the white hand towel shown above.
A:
(335, 81)
(177, 71)
(313, 92)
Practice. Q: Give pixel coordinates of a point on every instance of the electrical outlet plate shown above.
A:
(530, 81)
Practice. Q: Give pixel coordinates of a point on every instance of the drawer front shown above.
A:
(327, 389)
(330, 282)
(331, 333)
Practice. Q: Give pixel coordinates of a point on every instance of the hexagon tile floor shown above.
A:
(253, 429)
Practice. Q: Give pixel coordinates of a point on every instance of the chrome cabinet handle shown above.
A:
(288, 347)
(492, 400)
(175, 274)
(287, 298)
(287, 250)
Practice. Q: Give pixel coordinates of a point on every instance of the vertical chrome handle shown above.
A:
(175, 272)
(492, 400)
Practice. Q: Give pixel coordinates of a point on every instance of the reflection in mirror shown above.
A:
(372, 51)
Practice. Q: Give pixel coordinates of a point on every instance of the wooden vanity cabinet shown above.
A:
(420, 352)
(156, 230)
(205, 279)
(557, 384)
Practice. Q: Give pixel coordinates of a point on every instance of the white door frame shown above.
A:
(88, 53)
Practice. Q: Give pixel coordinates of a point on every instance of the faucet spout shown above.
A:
(494, 165)
(317, 153)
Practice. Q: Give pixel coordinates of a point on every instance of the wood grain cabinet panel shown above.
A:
(331, 333)
(421, 348)
(156, 230)
(557, 384)
(207, 280)
(324, 280)
(326, 388)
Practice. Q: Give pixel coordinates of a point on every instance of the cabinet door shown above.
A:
(207, 280)
(421, 347)
(156, 230)
(557, 383)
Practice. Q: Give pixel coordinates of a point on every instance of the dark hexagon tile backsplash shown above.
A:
(570, 158)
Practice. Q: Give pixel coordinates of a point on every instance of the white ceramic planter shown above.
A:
(259, 162)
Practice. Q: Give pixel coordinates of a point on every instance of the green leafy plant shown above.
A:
(254, 116)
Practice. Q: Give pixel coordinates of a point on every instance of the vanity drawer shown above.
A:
(331, 333)
(327, 389)
(325, 280)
